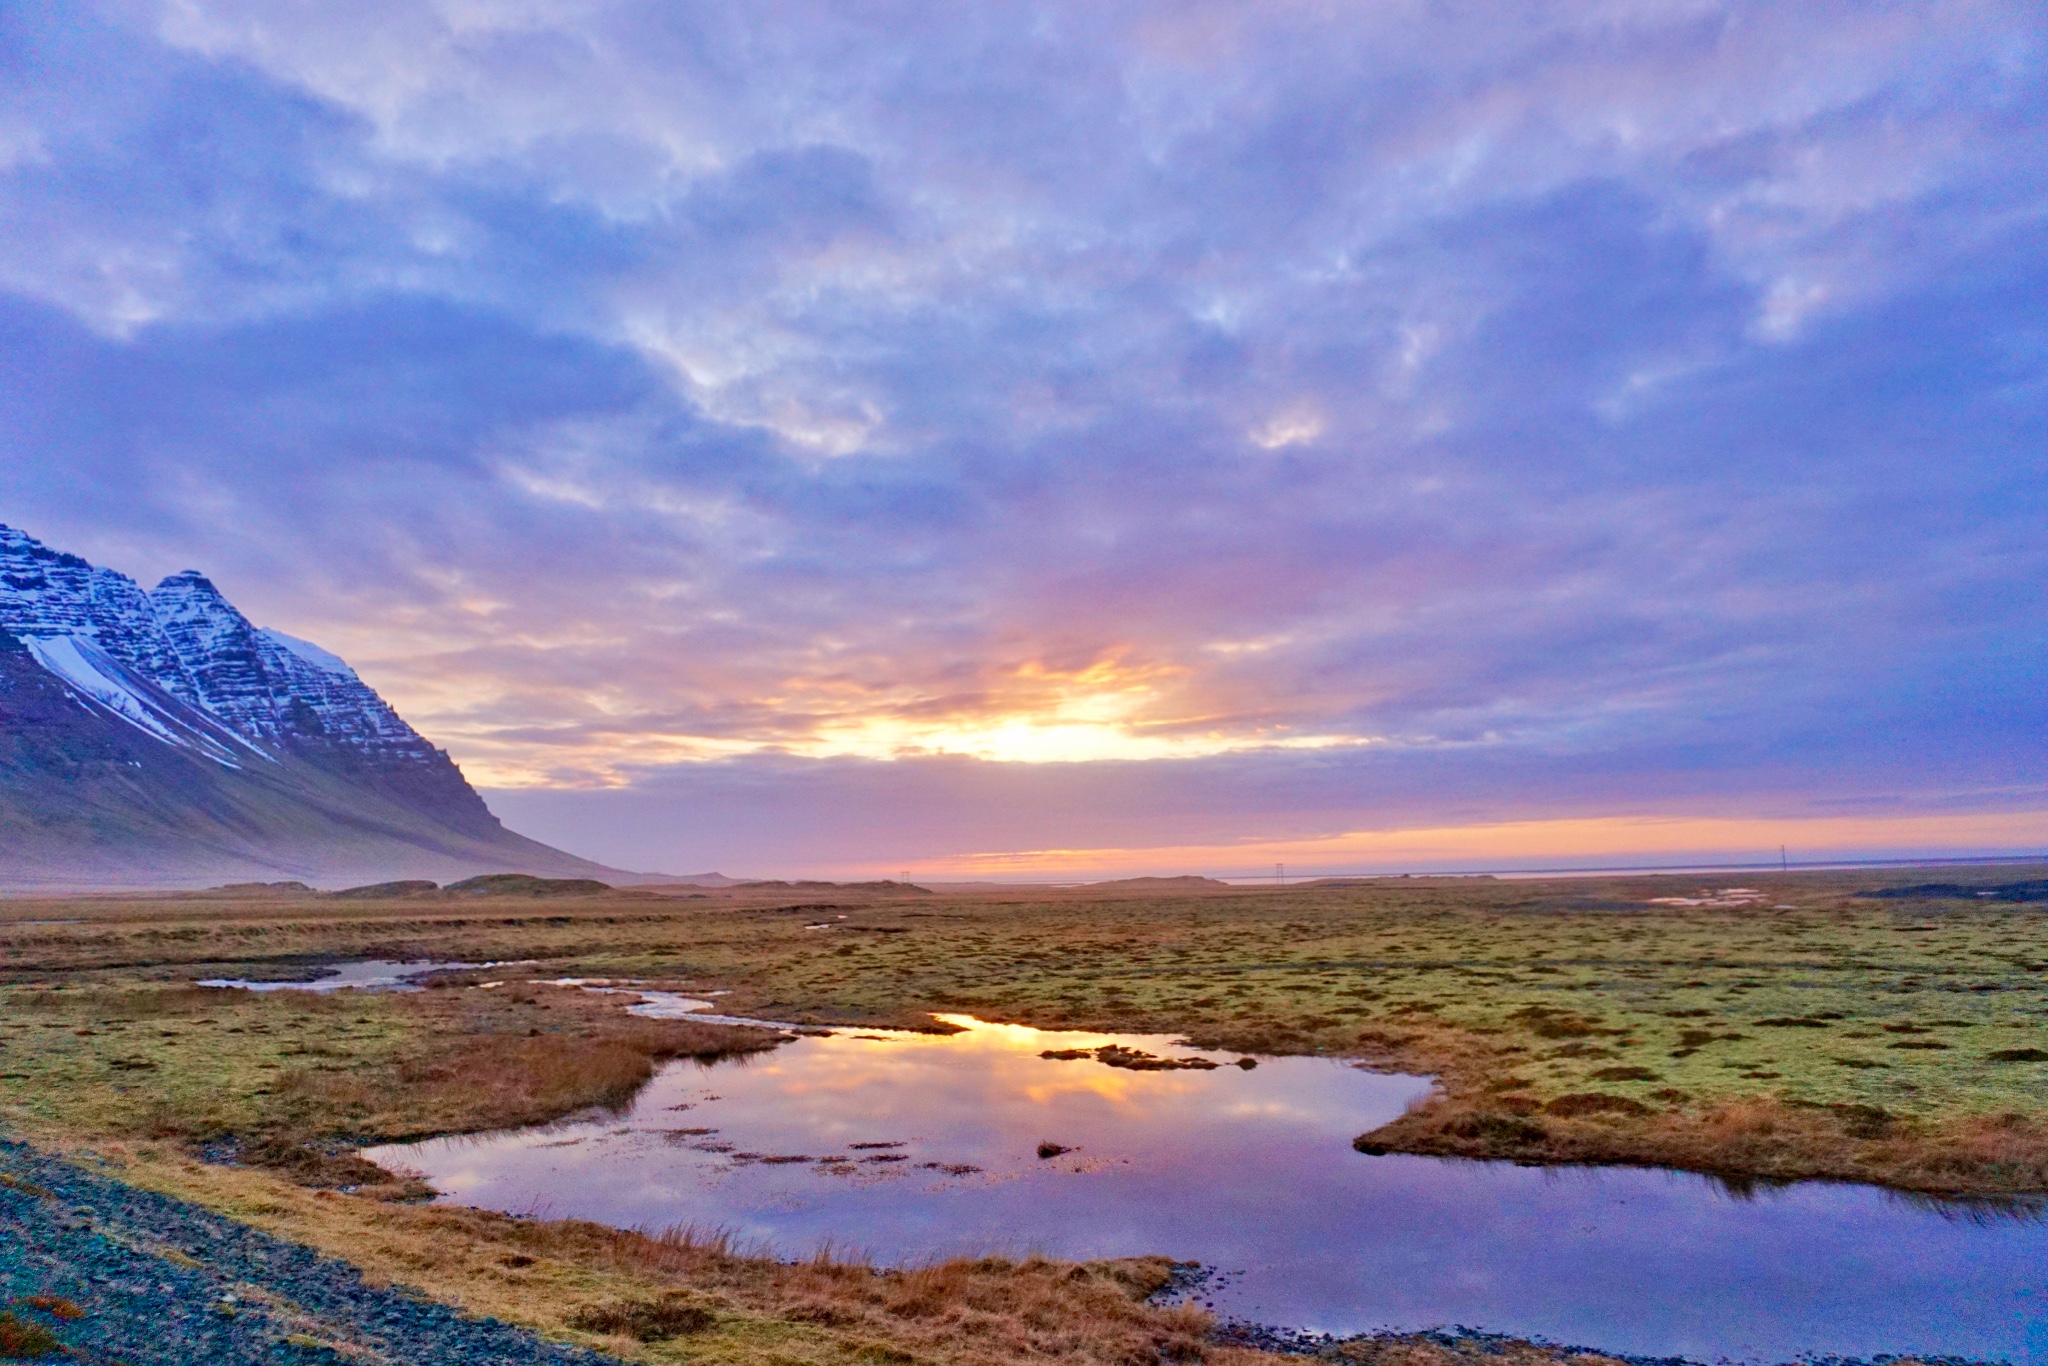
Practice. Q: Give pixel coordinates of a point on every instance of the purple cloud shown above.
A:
(1599, 406)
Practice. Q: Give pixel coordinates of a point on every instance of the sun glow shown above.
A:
(1038, 713)
(1592, 841)
(1040, 740)
(1030, 713)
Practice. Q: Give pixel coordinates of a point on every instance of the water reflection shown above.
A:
(371, 975)
(912, 1146)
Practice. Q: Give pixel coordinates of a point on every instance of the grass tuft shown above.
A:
(21, 1340)
(56, 1306)
(646, 1320)
(1583, 1103)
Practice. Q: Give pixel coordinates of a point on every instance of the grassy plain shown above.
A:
(1805, 1031)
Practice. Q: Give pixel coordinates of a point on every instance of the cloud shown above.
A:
(623, 385)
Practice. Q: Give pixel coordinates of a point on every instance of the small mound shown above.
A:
(378, 891)
(1132, 1059)
(1163, 884)
(1586, 1103)
(1494, 1128)
(2018, 1055)
(525, 884)
(2032, 889)
(648, 1320)
(24, 1340)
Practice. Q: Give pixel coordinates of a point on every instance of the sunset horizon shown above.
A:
(1354, 438)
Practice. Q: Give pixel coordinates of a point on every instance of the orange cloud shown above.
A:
(1593, 841)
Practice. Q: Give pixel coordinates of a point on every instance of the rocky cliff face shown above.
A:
(125, 713)
(188, 640)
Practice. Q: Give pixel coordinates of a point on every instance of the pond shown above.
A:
(908, 1147)
(371, 975)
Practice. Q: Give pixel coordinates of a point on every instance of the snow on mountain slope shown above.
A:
(190, 641)
(79, 662)
(158, 738)
(93, 674)
(308, 651)
(266, 684)
(44, 592)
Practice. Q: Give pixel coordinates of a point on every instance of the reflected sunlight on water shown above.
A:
(915, 1146)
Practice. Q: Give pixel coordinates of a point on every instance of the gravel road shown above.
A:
(163, 1281)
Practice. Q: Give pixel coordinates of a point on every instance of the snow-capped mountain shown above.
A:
(195, 745)
(188, 641)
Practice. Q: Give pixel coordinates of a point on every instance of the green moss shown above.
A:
(1806, 1003)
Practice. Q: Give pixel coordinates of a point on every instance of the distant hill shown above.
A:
(1188, 883)
(159, 739)
(2032, 889)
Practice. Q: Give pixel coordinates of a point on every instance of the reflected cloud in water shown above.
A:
(912, 1146)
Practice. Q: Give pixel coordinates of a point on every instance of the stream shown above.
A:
(908, 1147)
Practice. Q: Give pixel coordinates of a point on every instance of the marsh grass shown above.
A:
(694, 1295)
(976, 1311)
(25, 1340)
(1571, 1022)
(1934, 1013)
(671, 1316)
(1757, 1137)
(294, 1081)
(698, 1295)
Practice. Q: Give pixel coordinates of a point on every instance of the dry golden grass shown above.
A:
(21, 1340)
(466, 1083)
(681, 1297)
(1739, 1140)
(294, 1080)
(697, 1298)
(1567, 1023)
(979, 1312)
(1669, 1015)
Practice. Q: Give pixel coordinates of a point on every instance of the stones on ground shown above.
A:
(159, 1282)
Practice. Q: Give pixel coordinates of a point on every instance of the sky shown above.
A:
(1045, 439)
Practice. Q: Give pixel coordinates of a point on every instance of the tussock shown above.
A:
(988, 1311)
(1749, 1138)
(294, 1081)
(21, 1340)
(647, 1320)
(1751, 1043)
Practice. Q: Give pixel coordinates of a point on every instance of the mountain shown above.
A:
(159, 739)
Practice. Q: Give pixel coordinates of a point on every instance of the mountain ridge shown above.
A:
(160, 739)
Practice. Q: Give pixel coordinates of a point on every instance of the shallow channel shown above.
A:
(375, 974)
(908, 1147)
